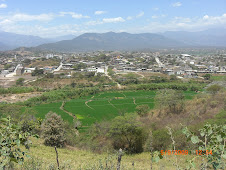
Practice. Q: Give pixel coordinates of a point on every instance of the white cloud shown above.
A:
(140, 14)
(73, 15)
(206, 17)
(6, 22)
(26, 17)
(113, 20)
(158, 16)
(129, 18)
(99, 12)
(43, 31)
(155, 9)
(94, 22)
(182, 19)
(3, 6)
(186, 24)
(154, 16)
(105, 20)
(177, 4)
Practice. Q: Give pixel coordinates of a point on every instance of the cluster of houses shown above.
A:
(183, 65)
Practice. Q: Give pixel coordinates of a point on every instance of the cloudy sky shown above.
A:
(51, 18)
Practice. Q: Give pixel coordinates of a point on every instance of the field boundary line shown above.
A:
(109, 101)
(86, 103)
(134, 101)
(62, 108)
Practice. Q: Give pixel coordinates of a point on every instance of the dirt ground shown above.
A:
(10, 81)
(13, 98)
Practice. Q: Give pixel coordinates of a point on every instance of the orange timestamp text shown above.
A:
(174, 152)
(185, 152)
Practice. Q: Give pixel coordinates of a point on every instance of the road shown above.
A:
(106, 73)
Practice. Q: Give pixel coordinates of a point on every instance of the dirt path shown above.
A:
(71, 114)
(140, 74)
(86, 103)
(123, 94)
(134, 101)
(62, 108)
(109, 101)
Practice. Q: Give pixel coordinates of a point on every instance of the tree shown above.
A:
(171, 100)
(79, 66)
(20, 81)
(37, 72)
(7, 66)
(207, 76)
(53, 130)
(127, 133)
(142, 110)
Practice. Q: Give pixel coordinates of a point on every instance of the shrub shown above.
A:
(142, 110)
(127, 133)
(20, 81)
(170, 99)
(213, 89)
(161, 139)
(53, 130)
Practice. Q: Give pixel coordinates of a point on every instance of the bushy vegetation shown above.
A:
(132, 120)
(170, 100)
(20, 82)
(142, 110)
(53, 130)
(18, 89)
(11, 139)
(127, 133)
(175, 86)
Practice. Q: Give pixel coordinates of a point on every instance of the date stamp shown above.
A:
(185, 152)
(174, 152)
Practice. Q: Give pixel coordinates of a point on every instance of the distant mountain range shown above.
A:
(112, 41)
(10, 41)
(116, 41)
(211, 37)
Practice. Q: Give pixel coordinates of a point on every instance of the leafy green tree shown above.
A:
(210, 142)
(171, 100)
(37, 72)
(207, 76)
(79, 66)
(142, 110)
(127, 133)
(7, 66)
(20, 81)
(11, 139)
(53, 130)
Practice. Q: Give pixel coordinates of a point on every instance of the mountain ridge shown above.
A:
(111, 41)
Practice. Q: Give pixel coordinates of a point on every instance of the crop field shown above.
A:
(102, 106)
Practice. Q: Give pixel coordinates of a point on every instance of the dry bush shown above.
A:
(53, 130)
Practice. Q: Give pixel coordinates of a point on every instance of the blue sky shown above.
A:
(51, 18)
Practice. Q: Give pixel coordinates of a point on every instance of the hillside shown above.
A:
(12, 40)
(112, 41)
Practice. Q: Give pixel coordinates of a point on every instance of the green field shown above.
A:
(218, 78)
(102, 106)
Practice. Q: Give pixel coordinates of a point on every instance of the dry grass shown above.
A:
(44, 157)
